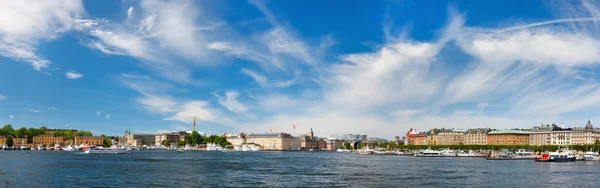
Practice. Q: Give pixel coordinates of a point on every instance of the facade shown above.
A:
(172, 137)
(450, 137)
(352, 137)
(48, 140)
(409, 139)
(236, 139)
(432, 138)
(271, 141)
(89, 140)
(421, 139)
(541, 135)
(334, 144)
(508, 137)
(476, 137)
(585, 135)
(17, 141)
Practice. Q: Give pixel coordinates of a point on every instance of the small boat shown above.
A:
(255, 149)
(40, 148)
(237, 148)
(246, 148)
(469, 154)
(179, 151)
(591, 156)
(429, 153)
(448, 153)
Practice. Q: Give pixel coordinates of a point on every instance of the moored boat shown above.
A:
(591, 156)
(557, 156)
(429, 153)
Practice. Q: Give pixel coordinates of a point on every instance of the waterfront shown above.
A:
(283, 169)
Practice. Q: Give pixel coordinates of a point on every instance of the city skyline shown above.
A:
(378, 69)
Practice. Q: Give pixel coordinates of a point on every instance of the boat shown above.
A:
(506, 154)
(4, 147)
(69, 148)
(448, 153)
(255, 149)
(469, 154)
(246, 148)
(179, 151)
(213, 147)
(107, 151)
(591, 156)
(40, 147)
(342, 150)
(237, 148)
(429, 153)
(557, 156)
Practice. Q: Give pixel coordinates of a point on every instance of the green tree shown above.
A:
(194, 139)
(106, 142)
(347, 145)
(181, 143)
(84, 133)
(165, 143)
(6, 130)
(9, 141)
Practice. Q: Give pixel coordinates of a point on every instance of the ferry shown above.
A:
(237, 148)
(591, 156)
(448, 153)
(213, 147)
(469, 154)
(107, 151)
(429, 153)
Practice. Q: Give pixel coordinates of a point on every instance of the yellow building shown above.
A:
(476, 137)
(450, 137)
(271, 141)
(17, 141)
(48, 140)
(88, 140)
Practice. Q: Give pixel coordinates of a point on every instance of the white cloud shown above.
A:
(406, 113)
(11, 117)
(2, 97)
(73, 75)
(135, 76)
(36, 111)
(276, 102)
(107, 116)
(52, 108)
(263, 81)
(98, 113)
(24, 24)
(230, 102)
(129, 12)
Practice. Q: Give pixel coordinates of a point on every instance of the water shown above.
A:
(281, 169)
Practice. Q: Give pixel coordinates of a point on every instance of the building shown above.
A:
(172, 137)
(17, 141)
(352, 137)
(409, 139)
(541, 135)
(89, 140)
(585, 135)
(236, 139)
(421, 138)
(450, 137)
(508, 137)
(138, 140)
(376, 140)
(333, 144)
(432, 138)
(48, 140)
(271, 141)
(476, 137)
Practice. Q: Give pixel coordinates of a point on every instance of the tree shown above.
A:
(165, 143)
(181, 143)
(106, 142)
(347, 145)
(6, 130)
(9, 141)
(194, 139)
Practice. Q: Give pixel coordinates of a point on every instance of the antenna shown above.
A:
(194, 123)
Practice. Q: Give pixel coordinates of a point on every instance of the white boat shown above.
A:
(343, 150)
(246, 148)
(106, 151)
(213, 147)
(429, 153)
(448, 153)
(69, 148)
(562, 156)
(4, 147)
(255, 149)
(40, 148)
(469, 154)
(237, 148)
(591, 156)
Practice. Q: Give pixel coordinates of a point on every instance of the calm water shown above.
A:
(281, 169)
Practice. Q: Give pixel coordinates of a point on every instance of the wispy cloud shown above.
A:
(98, 113)
(2, 97)
(11, 117)
(52, 108)
(107, 116)
(73, 75)
(34, 24)
(131, 75)
(230, 102)
(36, 111)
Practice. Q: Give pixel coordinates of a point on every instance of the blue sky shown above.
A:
(374, 67)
